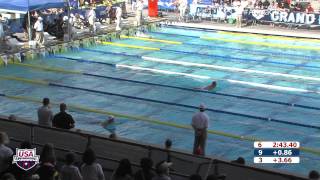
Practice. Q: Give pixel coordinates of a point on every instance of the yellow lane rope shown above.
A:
(285, 46)
(271, 36)
(130, 46)
(150, 39)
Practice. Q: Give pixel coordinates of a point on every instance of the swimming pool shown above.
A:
(268, 88)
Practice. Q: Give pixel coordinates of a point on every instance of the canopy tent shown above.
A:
(29, 5)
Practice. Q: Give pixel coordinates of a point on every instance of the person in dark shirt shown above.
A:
(63, 120)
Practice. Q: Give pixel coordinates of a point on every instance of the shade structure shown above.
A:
(30, 5)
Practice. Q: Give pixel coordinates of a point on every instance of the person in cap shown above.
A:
(62, 119)
(163, 171)
(45, 114)
(38, 26)
(109, 125)
(5, 152)
(200, 125)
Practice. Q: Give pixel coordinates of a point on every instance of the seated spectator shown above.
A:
(5, 152)
(45, 114)
(216, 177)
(91, 170)
(240, 160)
(123, 172)
(266, 4)
(146, 172)
(163, 171)
(7, 176)
(195, 177)
(309, 8)
(298, 7)
(63, 120)
(314, 175)
(47, 169)
(19, 173)
(70, 171)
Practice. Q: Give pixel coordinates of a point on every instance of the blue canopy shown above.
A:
(29, 5)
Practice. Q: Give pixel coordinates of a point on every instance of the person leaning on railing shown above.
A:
(45, 114)
(62, 119)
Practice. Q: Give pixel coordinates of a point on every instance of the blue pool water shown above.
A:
(293, 77)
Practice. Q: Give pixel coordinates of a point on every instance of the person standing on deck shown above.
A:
(139, 16)
(45, 115)
(200, 125)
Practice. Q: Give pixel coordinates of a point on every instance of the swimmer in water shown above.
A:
(209, 87)
(109, 125)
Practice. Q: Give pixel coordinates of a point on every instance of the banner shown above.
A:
(275, 16)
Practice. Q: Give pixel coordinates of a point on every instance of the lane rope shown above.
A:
(59, 70)
(151, 39)
(130, 46)
(157, 101)
(150, 120)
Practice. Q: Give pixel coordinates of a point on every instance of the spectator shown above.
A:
(38, 26)
(48, 154)
(200, 125)
(19, 173)
(309, 8)
(91, 170)
(123, 172)
(195, 177)
(146, 172)
(62, 119)
(240, 160)
(139, 16)
(47, 169)
(266, 4)
(7, 176)
(1, 31)
(168, 144)
(69, 171)
(5, 152)
(314, 175)
(92, 20)
(45, 114)
(216, 177)
(162, 169)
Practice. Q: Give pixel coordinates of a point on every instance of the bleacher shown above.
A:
(110, 151)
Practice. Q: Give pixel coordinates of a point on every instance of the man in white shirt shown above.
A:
(45, 114)
(38, 26)
(5, 152)
(139, 16)
(200, 125)
(1, 30)
(183, 5)
(92, 20)
(118, 18)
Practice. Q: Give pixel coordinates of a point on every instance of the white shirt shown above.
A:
(38, 26)
(45, 116)
(92, 172)
(183, 4)
(200, 120)
(118, 12)
(5, 154)
(139, 6)
(91, 16)
(70, 172)
(1, 30)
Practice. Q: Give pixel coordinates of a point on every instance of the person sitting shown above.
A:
(309, 8)
(146, 172)
(70, 171)
(163, 171)
(123, 172)
(91, 170)
(5, 152)
(63, 120)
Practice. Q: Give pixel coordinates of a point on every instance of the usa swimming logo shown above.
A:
(26, 158)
